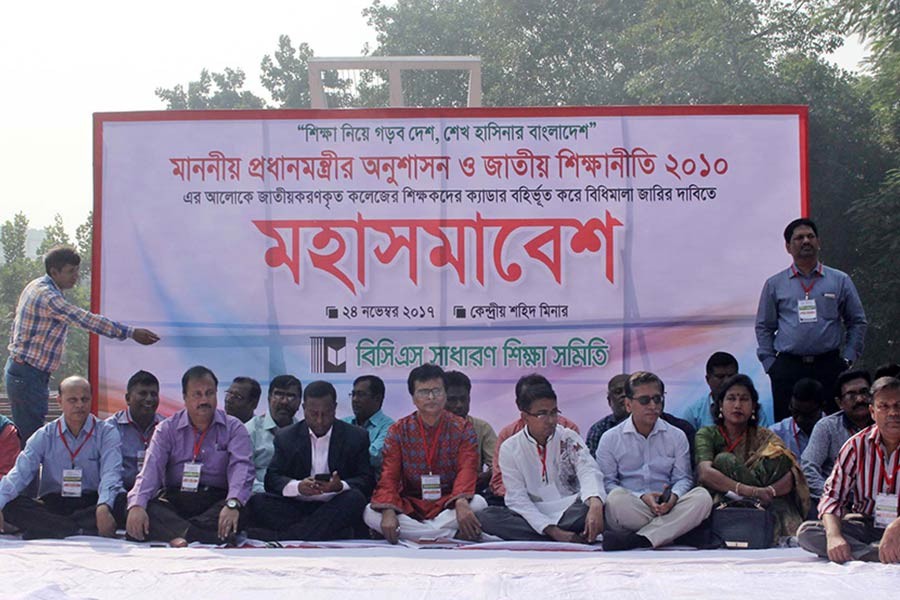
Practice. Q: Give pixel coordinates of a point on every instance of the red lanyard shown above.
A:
(806, 289)
(729, 445)
(542, 454)
(145, 440)
(431, 448)
(198, 441)
(66, 444)
(889, 479)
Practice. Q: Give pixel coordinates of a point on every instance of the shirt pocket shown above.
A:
(827, 307)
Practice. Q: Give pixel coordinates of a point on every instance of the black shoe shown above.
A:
(623, 540)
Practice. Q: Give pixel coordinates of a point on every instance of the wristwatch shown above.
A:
(234, 503)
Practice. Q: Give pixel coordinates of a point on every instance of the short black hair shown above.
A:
(802, 222)
(458, 378)
(888, 370)
(197, 372)
(532, 394)
(255, 389)
(376, 384)
(283, 382)
(424, 373)
(720, 359)
(809, 389)
(850, 375)
(739, 379)
(526, 381)
(320, 389)
(141, 378)
(59, 256)
(640, 378)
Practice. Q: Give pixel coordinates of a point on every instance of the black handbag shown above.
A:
(743, 525)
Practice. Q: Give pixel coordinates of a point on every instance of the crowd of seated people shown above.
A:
(643, 479)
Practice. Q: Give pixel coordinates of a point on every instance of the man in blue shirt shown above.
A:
(137, 422)
(284, 401)
(802, 314)
(646, 465)
(806, 410)
(80, 463)
(366, 400)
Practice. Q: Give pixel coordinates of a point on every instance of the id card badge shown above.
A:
(431, 487)
(807, 311)
(885, 509)
(71, 483)
(190, 478)
(140, 459)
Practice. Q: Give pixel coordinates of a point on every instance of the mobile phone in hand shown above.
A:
(666, 495)
(323, 477)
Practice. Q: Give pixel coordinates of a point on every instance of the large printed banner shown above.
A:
(578, 243)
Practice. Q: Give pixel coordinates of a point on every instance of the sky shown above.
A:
(62, 61)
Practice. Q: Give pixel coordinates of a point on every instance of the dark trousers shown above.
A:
(859, 531)
(55, 517)
(274, 517)
(510, 525)
(788, 369)
(193, 516)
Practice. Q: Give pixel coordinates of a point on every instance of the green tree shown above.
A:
(212, 91)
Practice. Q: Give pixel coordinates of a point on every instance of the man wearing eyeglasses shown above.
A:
(860, 502)
(242, 398)
(646, 469)
(831, 432)
(284, 401)
(554, 490)
(366, 400)
(427, 486)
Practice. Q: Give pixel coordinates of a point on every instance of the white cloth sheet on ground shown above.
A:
(85, 567)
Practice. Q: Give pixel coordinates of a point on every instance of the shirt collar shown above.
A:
(184, 421)
(49, 281)
(371, 422)
(534, 441)
(326, 436)
(123, 417)
(795, 272)
(660, 425)
(269, 423)
(88, 425)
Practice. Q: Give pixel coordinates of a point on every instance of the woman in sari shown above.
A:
(736, 455)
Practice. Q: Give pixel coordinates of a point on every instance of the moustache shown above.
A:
(860, 405)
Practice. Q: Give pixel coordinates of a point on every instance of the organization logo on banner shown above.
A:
(328, 354)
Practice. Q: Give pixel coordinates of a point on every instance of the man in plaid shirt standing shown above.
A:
(38, 337)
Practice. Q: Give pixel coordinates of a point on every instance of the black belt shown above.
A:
(810, 359)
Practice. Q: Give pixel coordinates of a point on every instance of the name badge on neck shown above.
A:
(71, 483)
(885, 509)
(807, 311)
(190, 478)
(431, 487)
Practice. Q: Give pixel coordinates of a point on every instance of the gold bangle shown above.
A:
(737, 487)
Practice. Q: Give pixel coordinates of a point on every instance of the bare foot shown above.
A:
(178, 542)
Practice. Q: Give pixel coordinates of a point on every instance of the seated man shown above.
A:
(319, 479)
(80, 466)
(553, 487)
(197, 474)
(459, 398)
(644, 459)
(284, 400)
(498, 490)
(615, 397)
(859, 504)
(242, 398)
(427, 486)
(366, 400)
(9, 445)
(719, 367)
(831, 432)
(807, 400)
(136, 423)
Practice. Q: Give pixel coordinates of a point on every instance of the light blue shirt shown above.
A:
(377, 426)
(262, 430)
(134, 441)
(100, 461)
(778, 326)
(792, 436)
(698, 413)
(645, 464)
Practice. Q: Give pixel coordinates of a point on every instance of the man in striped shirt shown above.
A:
(38, 336)
(859, 506)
